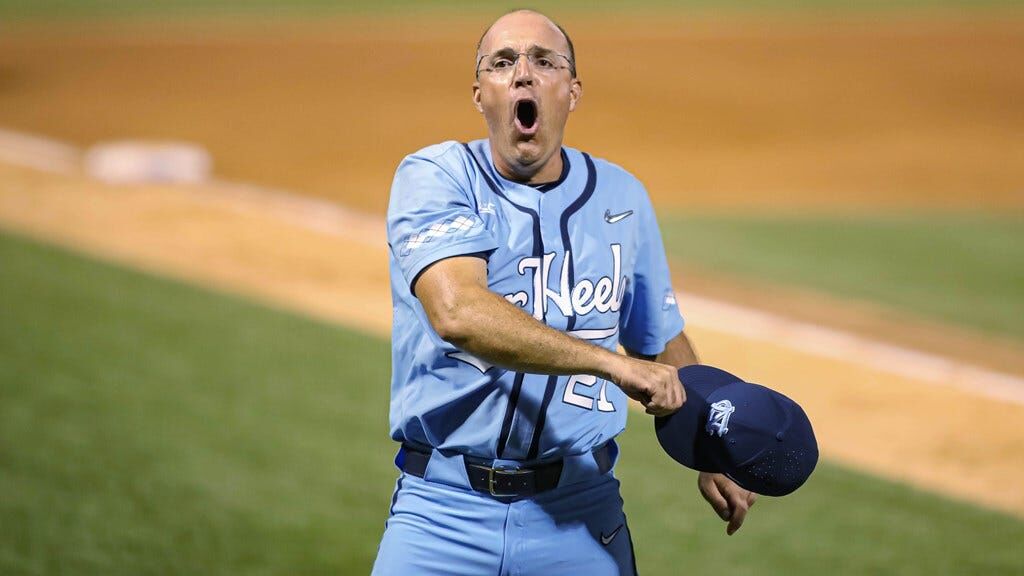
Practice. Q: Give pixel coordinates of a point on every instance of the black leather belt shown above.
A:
(500, 482)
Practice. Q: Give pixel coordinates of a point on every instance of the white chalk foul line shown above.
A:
(331, 218)
(835, 344)
(38, 152)
(313, 214)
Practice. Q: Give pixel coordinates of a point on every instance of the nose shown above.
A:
(523, 73)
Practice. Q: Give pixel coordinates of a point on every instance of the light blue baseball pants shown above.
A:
(442, 528)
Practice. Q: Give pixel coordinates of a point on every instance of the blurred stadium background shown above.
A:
(194, 375)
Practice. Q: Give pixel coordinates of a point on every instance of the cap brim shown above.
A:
(679, 432)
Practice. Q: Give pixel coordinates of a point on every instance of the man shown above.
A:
(517, 268)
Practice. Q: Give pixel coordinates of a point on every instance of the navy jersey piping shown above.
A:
(588, 191)
(510, 411)
(538, 242)
(566, 166)
(549, 390)
(538, 252)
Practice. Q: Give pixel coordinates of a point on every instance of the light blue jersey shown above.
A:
(583, 255)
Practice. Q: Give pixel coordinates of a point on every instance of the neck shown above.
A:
(537, 173)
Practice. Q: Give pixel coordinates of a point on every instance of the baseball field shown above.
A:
(194, 378)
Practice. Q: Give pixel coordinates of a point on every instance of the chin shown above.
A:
(528, 152)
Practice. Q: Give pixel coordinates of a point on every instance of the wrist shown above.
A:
(607, 365)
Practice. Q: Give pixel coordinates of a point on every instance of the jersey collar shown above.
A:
(531, 189)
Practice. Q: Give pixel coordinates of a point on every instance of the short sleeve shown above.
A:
(432, 216)
(650, 316)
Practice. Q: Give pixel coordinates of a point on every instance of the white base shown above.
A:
(139, 162)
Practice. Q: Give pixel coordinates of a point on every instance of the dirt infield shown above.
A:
(803, 114)
(766, 112)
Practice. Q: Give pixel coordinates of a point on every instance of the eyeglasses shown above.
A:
(503, 62)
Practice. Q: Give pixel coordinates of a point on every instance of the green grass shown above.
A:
(62, 9)
(148, 427)
(965, 269)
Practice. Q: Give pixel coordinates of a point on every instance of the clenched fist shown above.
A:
(654, 385)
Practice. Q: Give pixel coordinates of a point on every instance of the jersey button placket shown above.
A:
(551, 238)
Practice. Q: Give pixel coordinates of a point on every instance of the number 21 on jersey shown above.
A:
(582, 383)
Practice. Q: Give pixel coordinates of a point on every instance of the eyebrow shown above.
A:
(534, 49)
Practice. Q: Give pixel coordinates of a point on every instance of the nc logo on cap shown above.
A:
(718, 419)
(758, 437)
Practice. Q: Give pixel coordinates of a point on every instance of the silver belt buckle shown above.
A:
(491, 481)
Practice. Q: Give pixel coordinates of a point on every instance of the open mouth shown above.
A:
(526, 116)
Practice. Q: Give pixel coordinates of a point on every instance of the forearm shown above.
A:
(678, 352)
(489, 327)
(463, 311)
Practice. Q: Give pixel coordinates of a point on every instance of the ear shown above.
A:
(476, 98)
(575, 93)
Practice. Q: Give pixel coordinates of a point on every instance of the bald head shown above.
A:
(530, 18)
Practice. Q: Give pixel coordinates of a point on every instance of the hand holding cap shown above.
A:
(757, 437)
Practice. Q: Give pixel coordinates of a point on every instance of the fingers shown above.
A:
(709, 489)
(738, 505)
(656, 409)
(662, 408)
(656, 386)
(667, 392)
(728, 499)
(642, 395)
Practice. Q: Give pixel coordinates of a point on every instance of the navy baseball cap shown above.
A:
(754, 435)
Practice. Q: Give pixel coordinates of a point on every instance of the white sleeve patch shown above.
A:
(436, 230)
